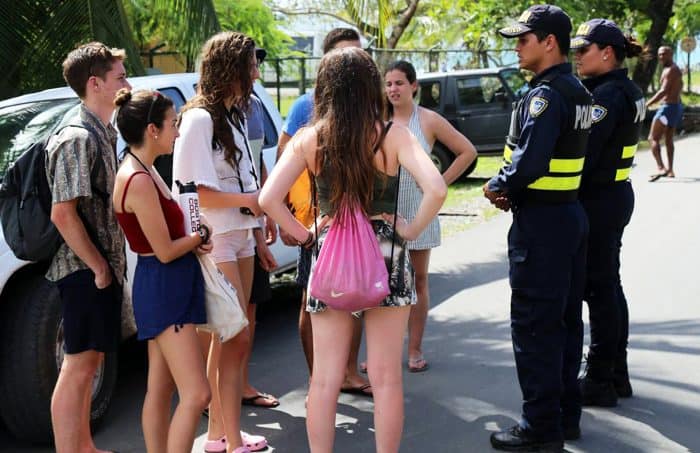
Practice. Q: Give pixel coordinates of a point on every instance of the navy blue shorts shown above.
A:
(262, 291)
(167, 295)
(670, 115)
(91, 316)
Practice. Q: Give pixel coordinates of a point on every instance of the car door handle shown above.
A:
(464, 115)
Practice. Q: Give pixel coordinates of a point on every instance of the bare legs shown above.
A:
(70, 403)
(224, 368)
(248, 390)
(175, 360)
(332, 337)
(419, 312)
(669, 151)
(305, 332)
(352, 376)
(659, 130)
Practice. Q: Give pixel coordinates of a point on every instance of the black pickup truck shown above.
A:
(477, 102)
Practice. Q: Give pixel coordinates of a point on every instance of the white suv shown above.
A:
(31, 333)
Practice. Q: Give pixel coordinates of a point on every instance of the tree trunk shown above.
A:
(660, 12)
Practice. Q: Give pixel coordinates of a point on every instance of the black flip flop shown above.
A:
(358, 390)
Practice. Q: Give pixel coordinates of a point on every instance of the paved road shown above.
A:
(471, 388)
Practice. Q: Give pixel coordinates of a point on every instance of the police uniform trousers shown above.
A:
(547, 254)
(609, 210)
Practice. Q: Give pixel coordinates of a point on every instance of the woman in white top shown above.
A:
(213, 151)
(428, 127)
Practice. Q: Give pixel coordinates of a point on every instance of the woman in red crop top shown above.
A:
(168, 290)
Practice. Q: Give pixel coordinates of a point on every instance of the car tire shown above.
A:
(30, 351)
(441, 157)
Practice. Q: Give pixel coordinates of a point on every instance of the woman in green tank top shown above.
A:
(339, 149)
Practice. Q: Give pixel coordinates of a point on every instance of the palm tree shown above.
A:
(36, 36)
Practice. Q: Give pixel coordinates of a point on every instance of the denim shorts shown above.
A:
(91, 316)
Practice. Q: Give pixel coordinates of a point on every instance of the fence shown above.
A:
(288, 77)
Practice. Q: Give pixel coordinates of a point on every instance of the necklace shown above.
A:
(139, 161)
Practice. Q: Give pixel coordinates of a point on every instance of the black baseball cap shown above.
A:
(547, 18)
(260, 55)
(600, 31)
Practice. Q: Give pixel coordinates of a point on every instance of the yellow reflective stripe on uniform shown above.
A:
(566, 165)
(555, 165)
(556, 183)
(628, 151)
(623, 174)
(507, 154)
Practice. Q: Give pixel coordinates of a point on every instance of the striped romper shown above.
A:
(410, 195)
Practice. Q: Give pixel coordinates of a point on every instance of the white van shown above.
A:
(31, 333)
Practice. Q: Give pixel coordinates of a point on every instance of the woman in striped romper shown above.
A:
(428, 127)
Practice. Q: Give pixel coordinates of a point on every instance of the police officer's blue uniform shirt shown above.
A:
(611, 110)
(543, 114)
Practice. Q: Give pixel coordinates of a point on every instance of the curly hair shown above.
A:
(349, 103)
(225, 73)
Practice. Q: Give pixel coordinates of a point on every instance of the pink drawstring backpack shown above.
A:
(350, 273)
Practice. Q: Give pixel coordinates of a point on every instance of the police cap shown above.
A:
(547, 18)
(600, 31)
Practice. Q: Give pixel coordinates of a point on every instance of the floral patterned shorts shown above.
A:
(400, 277)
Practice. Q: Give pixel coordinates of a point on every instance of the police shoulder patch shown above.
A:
(538, 105)
(598, 112)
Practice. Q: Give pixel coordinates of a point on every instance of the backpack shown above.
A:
(350, 273)
(25, 203)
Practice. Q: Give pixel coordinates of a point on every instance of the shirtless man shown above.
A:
(669, 115)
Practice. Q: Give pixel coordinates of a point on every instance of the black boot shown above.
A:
(597, 385)
(621, 378)
(518, 439)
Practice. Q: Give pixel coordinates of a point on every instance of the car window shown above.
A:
(478, 90)
(175, 95)
(271, 137)
(24, 124)
(429, 94)
(516, 82)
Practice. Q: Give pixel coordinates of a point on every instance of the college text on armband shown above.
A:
(640, 110)
(584, 117)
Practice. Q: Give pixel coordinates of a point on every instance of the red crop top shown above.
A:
(130, 224)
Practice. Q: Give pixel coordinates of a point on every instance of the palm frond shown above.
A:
(196, 21)
(38, 35)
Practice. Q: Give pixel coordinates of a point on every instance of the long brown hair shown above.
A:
(226, 63)
(348, 106)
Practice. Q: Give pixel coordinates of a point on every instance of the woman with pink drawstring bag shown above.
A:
(361, 263)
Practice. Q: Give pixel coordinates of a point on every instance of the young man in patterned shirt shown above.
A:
(89, 266)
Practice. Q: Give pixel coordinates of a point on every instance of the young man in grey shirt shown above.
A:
(89, 266)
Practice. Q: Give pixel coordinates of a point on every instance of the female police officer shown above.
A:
(607, 196)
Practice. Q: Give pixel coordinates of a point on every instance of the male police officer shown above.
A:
(544, 157)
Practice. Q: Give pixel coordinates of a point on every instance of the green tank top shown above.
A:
(383, 197)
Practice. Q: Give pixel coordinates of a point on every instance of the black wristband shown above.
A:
(204, 233)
